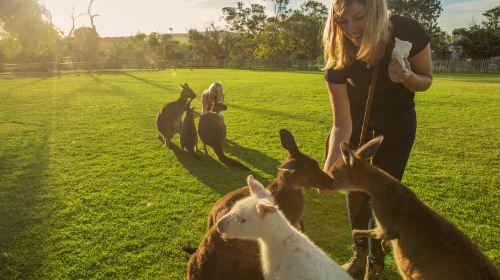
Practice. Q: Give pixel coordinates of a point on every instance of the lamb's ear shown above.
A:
(347, 154)
(288, 142)
(255, 186)
(266, 207)
(369, 149)
(288, 166)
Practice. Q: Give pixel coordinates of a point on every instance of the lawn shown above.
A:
(86, 190)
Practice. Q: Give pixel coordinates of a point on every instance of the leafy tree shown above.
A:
(426, 12)
(492, 18)
(478, 42)
(244, 22)
(307, 24)
(277, 42)
(25, 31)
(85, 43)
(214, 42)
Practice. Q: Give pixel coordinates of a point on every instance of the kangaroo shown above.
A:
(217, 258)
(169, 119)
(425, 244)
(189, 136)
(212, 132)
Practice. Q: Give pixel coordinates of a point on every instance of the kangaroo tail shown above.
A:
(189, 250)
(228, 161)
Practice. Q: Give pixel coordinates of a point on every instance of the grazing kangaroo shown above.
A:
(286, 253)
(425, 244)
(169, 119)
(217, 258)
(212, 132)
(189, 136)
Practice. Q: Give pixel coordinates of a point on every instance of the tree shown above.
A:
(307, 24)
(426, 12)
(492, 18)
(214, 42)
(25, 31)
(244, 22)
(198, 43)
(280, 8)
(478, 42)
(220, 42)
(85, 43)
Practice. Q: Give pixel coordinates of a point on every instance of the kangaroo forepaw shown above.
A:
(386, 246)
(363, 233)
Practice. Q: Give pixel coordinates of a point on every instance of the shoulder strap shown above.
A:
(371, 92)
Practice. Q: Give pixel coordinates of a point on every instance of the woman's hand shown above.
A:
(396, 72)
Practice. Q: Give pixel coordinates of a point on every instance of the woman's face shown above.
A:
(352, 22)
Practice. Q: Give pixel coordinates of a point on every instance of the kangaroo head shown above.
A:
(187, 92)
(348, 170)
(300, 168)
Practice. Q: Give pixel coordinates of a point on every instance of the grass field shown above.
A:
(86, 191)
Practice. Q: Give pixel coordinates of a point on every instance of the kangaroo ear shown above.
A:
(255, 186)
(288, 166)
(266, 207)
(369, 149)
(288, 142)
(347, 154)
(181, 85)
(186, 85)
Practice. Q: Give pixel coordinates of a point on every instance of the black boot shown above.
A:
(373, 271)
(357, 264)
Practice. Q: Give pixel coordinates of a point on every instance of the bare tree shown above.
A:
(91, 16)
(59, 30)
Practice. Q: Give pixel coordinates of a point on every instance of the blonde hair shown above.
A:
(215, 90)
(339, 51)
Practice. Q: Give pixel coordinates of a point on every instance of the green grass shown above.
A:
(86, 191)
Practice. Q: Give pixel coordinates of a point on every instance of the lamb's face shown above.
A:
(242, 221)
(247, 218)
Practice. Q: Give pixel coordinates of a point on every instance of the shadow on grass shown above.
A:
(23, 180)
(213, 173)
(153, 83)
(266, 112)
(118, 89)
(21, 123)
(253, 157)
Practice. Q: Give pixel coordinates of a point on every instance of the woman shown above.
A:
(359, 34)
(211, 96)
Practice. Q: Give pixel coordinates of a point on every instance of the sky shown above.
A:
(127, 17)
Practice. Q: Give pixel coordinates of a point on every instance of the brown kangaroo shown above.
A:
(217, 258)
(212, 132)
(188, 134)
(169, 119)
(425, 245)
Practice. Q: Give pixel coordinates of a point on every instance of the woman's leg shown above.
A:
(392, 157)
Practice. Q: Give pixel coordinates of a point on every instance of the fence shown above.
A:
(53, 68)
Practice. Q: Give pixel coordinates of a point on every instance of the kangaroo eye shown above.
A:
(243, 221)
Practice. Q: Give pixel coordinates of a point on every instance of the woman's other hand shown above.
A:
(396, 72)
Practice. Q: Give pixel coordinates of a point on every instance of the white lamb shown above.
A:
(286, 253)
